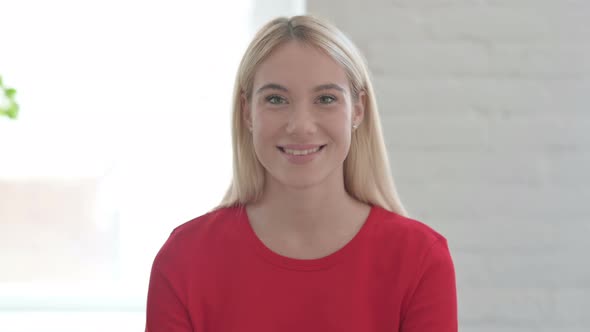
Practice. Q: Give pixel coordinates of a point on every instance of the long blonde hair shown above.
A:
(367, 175)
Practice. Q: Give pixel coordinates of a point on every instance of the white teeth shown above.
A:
(301, 152)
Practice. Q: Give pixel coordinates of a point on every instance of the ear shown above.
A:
(246, 111)
(358, 110)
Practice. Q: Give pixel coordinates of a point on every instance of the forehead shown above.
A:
(299, 66)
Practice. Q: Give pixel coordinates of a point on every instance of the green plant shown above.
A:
(8, 105)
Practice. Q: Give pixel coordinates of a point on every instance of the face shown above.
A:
(301, 113)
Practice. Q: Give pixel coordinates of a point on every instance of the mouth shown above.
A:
(301, 152)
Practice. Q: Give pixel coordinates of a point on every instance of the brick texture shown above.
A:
(486, 111)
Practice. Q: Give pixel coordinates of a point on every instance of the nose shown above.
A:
(301, 121)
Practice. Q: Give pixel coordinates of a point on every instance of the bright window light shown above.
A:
(123, 134)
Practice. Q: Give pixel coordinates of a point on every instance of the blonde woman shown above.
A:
(311, 235)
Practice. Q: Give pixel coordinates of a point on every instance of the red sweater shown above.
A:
(214, 274)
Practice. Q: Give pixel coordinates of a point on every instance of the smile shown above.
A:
(300, 152)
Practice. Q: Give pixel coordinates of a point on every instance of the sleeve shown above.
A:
(433, 304)
(165, 309)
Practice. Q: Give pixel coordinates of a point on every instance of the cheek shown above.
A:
(267, 129)
(267, 123)
(264, 128)
(340, 124)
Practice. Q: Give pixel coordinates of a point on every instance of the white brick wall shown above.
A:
(486, 111)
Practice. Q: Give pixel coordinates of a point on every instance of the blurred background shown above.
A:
(123, 134)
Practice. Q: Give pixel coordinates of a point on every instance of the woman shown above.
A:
(311, 235)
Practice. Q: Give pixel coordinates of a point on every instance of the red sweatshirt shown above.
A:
(214, 274)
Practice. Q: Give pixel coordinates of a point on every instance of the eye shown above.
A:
(276, 100)
(326, 99)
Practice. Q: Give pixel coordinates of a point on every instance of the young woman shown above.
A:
(311, 235)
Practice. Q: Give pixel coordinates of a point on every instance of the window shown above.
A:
(123, 134)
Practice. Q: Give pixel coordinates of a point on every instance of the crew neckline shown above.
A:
(291, 263)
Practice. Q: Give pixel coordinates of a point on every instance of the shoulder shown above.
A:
(198, 236)
(407, 240)
(207, 224)
(424, 271)
(405, 229)
(420, 249)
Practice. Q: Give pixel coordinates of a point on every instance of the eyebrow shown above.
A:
(318, 88)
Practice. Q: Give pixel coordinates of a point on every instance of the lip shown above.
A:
(301, 159)
(300, 146)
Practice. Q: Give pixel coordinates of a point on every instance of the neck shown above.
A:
(310, 210)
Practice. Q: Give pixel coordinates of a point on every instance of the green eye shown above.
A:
(327, 99)
(276, 100)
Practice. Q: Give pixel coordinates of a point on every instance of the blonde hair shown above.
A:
(367, 175)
